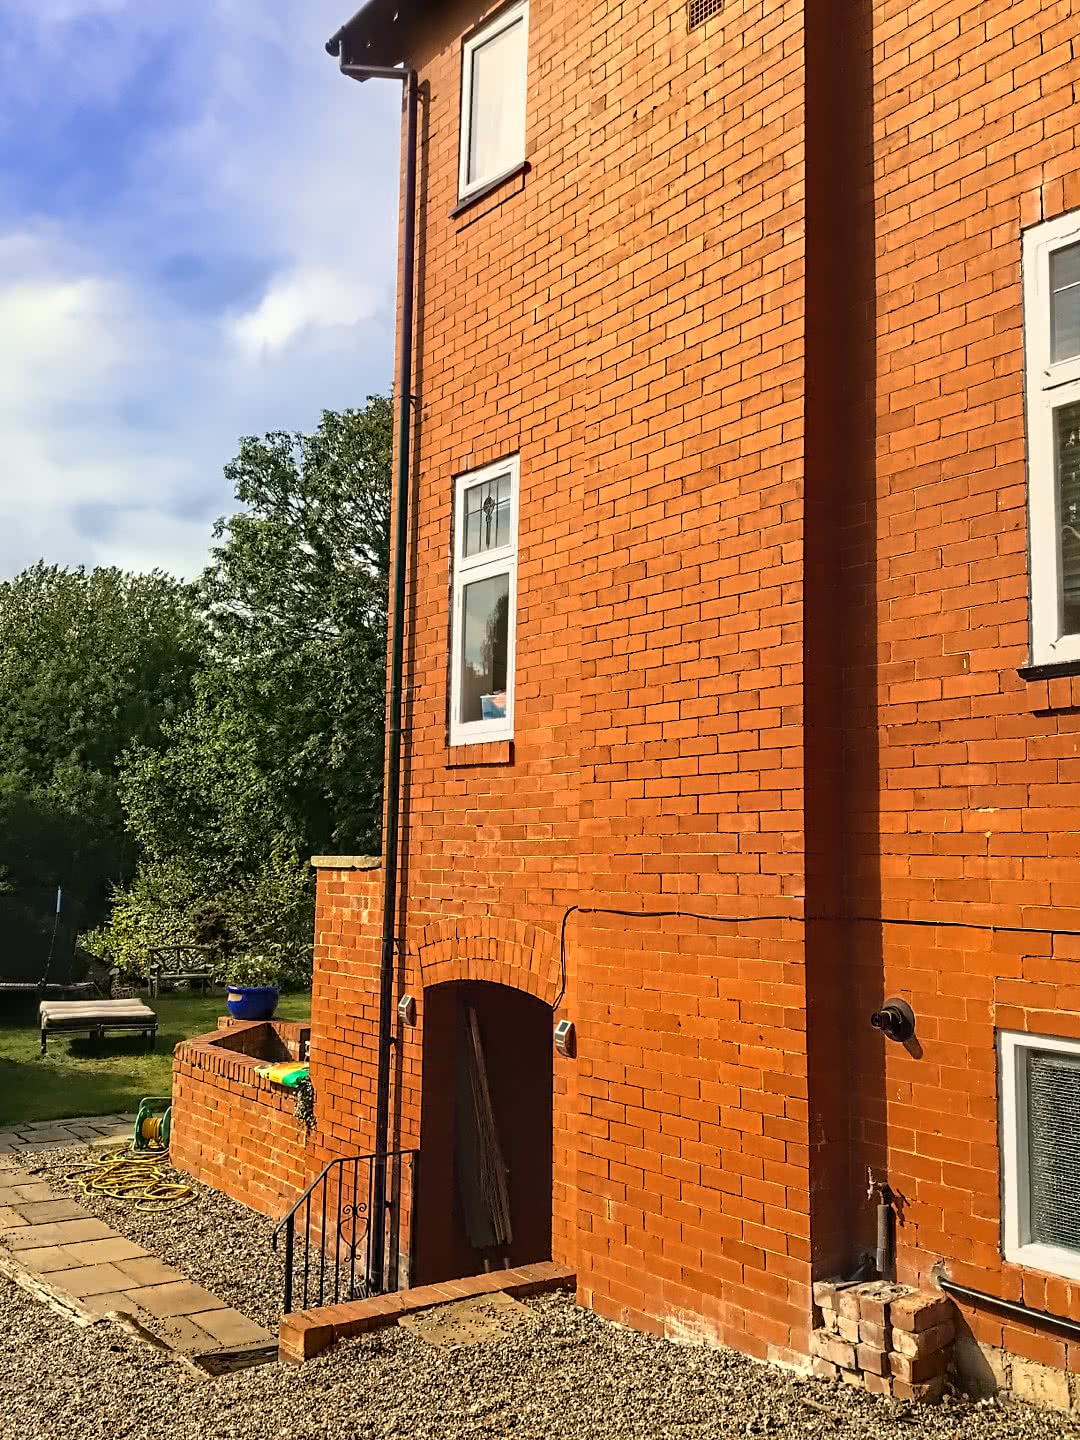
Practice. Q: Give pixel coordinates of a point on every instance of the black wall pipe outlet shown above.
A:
(895, 1020)
(1041, 1319)
(392, 825)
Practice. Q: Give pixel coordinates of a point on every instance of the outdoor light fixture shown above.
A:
(565, 1038)
(406, 1010)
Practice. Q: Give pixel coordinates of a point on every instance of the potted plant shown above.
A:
(250, 976)
(250, 991)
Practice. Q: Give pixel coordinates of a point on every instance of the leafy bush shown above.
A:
(276, 753)
(262, 924)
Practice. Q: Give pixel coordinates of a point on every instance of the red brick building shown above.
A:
(742, 654)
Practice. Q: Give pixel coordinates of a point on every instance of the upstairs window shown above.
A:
(1040, 1151)
(1052, 364)
(485, 593)
(493, 76)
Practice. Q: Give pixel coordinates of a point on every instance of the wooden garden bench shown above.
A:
(193, 973)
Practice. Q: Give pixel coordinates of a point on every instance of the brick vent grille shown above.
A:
(698, 11)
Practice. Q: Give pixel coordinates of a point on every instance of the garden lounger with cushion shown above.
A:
(94, 1017)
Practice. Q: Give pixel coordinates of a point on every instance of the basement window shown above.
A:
(1052, 382)
(493, 85)
(484, 604)
(1040, 1151)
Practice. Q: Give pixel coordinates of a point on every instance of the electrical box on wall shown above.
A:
(406, 1010)
(565, 1038)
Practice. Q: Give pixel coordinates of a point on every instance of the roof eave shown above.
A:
(377, 34)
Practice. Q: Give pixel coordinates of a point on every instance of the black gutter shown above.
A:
(392, 823)
(378, 29)
(333, 45)
(1042, 1319)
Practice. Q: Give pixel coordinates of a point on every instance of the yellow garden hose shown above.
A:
(136, 1177)
(151, 1132)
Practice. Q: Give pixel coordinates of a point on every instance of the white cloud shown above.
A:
(122, 394)
(305, 299)
(118, 408)
(78, 352)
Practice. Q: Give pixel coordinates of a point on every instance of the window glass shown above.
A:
(1053, 1095)
(1067, 468)
(1065, 302)
(1051, 276)
(496, 120)
(487, 516)
(481, 652)
(485, 615)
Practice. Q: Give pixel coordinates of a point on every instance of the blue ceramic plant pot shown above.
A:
(252, 1002)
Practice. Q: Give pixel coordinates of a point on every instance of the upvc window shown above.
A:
(493, 79)
(1052, 362)
(484, 603)
(1040, 1151)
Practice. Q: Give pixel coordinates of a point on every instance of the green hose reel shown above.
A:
(153, 1123)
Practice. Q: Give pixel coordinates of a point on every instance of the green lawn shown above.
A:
(87, 1077)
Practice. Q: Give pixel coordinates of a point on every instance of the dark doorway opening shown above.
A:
(486, 1105)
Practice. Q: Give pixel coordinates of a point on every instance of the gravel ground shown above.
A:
(214, 1241)
(561, 1373)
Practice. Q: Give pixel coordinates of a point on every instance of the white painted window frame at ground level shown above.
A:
(514, 14)
(1019, 1248)
(1048, 386)
(467, 570)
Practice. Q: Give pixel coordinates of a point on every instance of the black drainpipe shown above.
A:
(392, 825)
(1025, 1314)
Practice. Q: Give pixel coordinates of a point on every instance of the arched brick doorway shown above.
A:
(457, 1232)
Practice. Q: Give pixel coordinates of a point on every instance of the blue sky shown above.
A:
(197, 241)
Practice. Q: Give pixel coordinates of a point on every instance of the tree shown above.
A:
(215, 836)
(297, 598)
(280, 754)
(90, 661)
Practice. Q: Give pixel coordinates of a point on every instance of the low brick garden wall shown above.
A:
(233, 1129)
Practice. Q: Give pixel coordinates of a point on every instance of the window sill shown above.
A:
(488, 189)
(1045, 1260)
(490, 752)
(1058, 669)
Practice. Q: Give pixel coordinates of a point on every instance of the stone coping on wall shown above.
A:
(346, 862)
(223, 1052)
(306, 1333)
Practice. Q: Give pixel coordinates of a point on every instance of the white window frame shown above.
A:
(1019, 1248)
(1047, 387)
(466, 569)
(511, 15)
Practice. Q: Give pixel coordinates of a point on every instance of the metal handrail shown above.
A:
(323, 1173)
(355, 1216)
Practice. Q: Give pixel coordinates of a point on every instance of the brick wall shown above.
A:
(233, 1129)
(971, 806)
(629, 318)
(345, 1007)
(752, 321)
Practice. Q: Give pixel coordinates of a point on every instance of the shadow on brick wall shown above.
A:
(843, 954)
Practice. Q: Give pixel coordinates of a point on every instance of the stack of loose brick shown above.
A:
(888, 1339)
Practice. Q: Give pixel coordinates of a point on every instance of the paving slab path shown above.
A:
(79, 1257)
(49, 1134)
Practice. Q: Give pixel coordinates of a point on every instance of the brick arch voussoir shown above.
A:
(506, 952)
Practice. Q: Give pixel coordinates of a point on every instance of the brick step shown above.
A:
(306, 1333)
